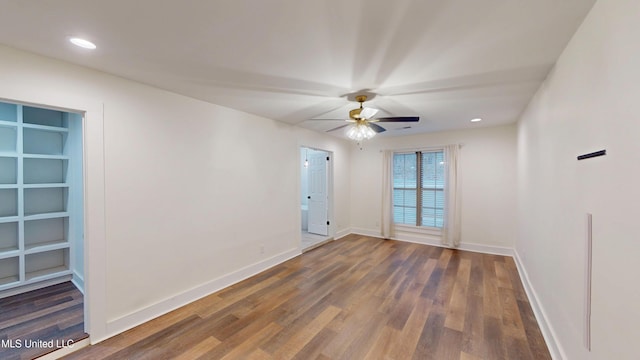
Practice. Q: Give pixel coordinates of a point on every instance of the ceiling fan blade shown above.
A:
(338, 128)
(348, 120)
(377, 128)
(399, 119)
(368, 113)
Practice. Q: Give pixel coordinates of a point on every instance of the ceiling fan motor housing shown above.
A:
(355, 113)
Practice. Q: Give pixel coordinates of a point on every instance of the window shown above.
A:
(418, 188)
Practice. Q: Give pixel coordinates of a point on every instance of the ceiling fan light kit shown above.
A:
(360, 131)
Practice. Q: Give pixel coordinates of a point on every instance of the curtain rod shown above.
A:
(428, 148)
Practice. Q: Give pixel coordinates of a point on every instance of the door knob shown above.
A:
(309, 197)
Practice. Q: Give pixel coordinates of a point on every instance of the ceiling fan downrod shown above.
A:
(355, 113)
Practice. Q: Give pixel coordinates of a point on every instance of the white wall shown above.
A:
(488, 175)
(589, 102)
(182, 195)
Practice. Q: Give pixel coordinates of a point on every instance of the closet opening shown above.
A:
(41, 230)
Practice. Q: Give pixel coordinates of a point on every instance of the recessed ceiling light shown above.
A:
(476, 120)
(83, 43)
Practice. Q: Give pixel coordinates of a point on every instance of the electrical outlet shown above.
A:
(261, 249)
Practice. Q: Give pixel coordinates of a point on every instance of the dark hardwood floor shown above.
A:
(355, 298)
(37, 322)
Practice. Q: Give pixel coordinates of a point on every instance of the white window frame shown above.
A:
(416, 229)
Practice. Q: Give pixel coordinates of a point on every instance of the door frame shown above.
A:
(330, 192)
(93, 208)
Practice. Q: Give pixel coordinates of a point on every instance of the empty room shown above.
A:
(410, 179)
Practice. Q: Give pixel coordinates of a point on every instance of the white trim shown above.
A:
(331, 228)
(479, 248)
(341, 233)
(136, 318)
(94, 194)
(420, 235)
(486, 249)
(587, 282)
(419, 239)
(421, 230)
(365, 232)
(95, 228)
(415, 149)
(66, 350)
(78, 281)
(435, 241)
(556, 350)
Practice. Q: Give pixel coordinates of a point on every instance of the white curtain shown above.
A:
(451, 228)
(387, 194)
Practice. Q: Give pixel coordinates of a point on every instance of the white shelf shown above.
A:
(10, 254)
(9, 280)
(8, 202)
(46, 234)
(41, 116)
(46, 274)
(43, 142)
(46, 216)
(46, 128)
(8, 170)
(44, 171)
(7, 219)
(45, 156)
(46, 263)
(8, 113)
(44, 247)
(45, 200)
(40, 165)
(8, 123)
(8, 138)
(45, 186)
(8, 236)
(9, 270)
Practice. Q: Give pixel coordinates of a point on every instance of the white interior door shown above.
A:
(318, 193)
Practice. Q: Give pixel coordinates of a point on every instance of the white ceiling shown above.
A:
(447, 61)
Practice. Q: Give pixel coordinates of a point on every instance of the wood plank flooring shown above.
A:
(355, 298)
(37, 322)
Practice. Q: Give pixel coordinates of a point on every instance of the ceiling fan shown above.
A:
(363, 124)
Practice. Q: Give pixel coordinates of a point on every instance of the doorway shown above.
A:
(41, 229)
(315, 205)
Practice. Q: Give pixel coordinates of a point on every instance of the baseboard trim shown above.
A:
(78, 281)
(548, 333)
(341, 233)
(487, 249)
(141, 316)
(426, 240)
(365, 232)
(58, 354)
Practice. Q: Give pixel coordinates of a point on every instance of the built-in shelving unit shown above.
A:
(40, 195)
